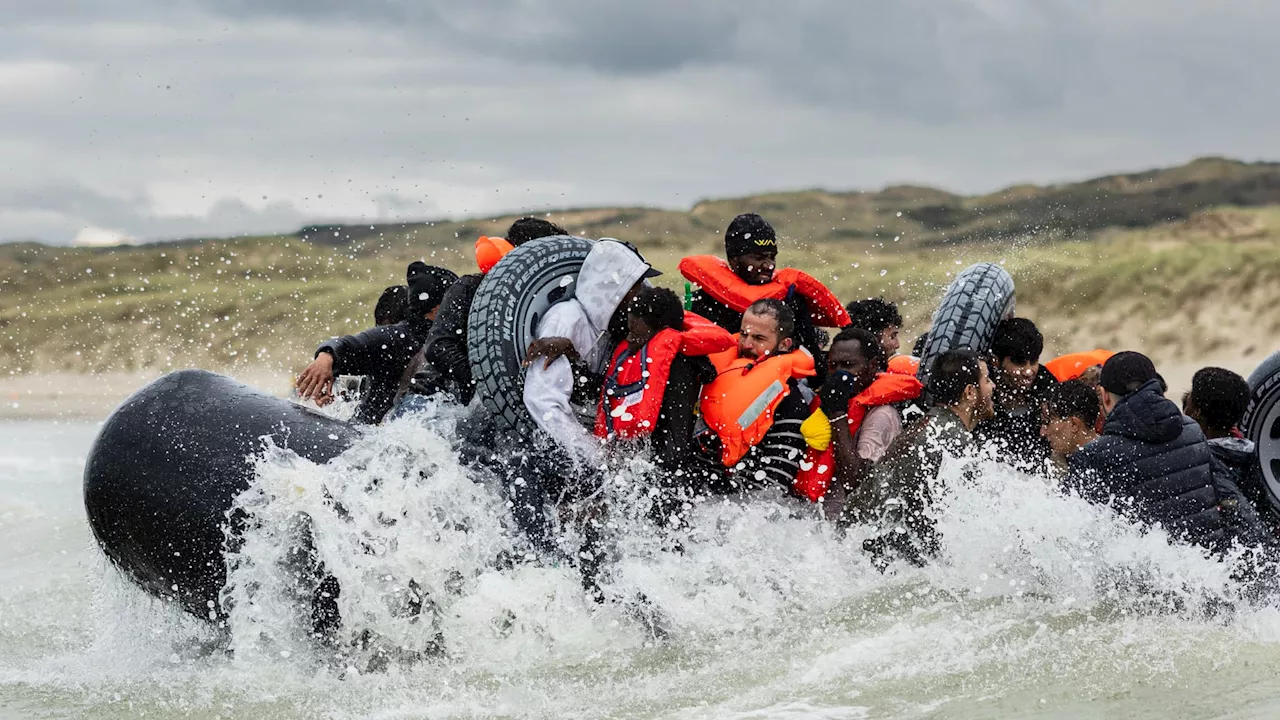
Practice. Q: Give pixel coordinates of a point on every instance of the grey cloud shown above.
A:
(937, 61)
(389, 110)
(65, 210)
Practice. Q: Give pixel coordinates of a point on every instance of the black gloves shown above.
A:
(836, 393)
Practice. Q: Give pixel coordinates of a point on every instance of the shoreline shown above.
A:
(92, 397)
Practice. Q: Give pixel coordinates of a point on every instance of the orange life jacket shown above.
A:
(738, 405)
(904, 364)
(714, 276)
(489, 250)
(818, 466)
(1070, 367)
(636, 382)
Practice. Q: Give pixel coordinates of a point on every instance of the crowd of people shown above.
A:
(745, 392)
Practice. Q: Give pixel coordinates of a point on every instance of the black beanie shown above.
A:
(427, 284)
(749, 233)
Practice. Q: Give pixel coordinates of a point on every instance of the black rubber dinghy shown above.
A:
(975, 302)
(508, 305)
(163, 473)
(1261, 422)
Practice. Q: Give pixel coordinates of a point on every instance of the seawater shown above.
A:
(1042, 606)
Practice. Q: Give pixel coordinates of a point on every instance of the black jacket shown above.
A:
(1240, 467)
(717, 312)
(381, 353)
(443, 364)
(1153, 463)
(1016, 433)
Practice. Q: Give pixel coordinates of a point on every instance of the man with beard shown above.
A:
(754, 408)
(750, 272)
(897, 497)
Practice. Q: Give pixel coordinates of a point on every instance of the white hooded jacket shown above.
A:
(609, 271)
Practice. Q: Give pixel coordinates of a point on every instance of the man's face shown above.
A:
(639, 332)
(755, 268)
(849, 356)
(985, 408)
(1017, 376)
(1109, 401)
(1063, 434)
(618, 322)
(759, 337)
(889, 340)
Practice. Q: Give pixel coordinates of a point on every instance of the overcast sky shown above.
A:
(172, 118)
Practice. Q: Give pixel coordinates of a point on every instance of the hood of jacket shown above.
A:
(1145, 415)
(608, 273)
(1234, 451)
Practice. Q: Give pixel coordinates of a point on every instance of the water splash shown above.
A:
(1037, 596)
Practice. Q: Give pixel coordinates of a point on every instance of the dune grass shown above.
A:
(1207, 285)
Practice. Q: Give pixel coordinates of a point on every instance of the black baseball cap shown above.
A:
(1125, 371)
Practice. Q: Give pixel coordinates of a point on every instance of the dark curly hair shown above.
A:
(780, 312)
(1219, 398)
(1074, 399)
(659, 308)
(532, 228)
(874, 314)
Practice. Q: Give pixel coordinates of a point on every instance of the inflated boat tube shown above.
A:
(1261, 422)
(975, 302)
(163, 473)
(508, 304)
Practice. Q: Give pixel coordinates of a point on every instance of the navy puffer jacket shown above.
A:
(1153, 464)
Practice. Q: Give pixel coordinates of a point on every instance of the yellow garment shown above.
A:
(817, 431)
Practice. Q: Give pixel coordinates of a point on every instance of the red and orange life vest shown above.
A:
(713, 275)
(1070, 367)
(818, 466)
(738, 405)
(489, 250)
(636, 381)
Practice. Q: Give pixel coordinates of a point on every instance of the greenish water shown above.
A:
(1044, 608)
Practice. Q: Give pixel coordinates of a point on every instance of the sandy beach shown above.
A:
(77, 396)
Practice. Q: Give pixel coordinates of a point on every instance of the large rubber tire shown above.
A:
(511, 300)
(1261, 422)
(165, 469)
(975, 302)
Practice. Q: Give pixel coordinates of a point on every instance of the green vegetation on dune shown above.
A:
(1142, 266)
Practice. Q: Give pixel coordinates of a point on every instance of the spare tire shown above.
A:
(163, 474)
(975, 302)
(511, 300)
(1261, 422)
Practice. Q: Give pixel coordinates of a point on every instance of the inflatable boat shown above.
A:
(162, 477)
